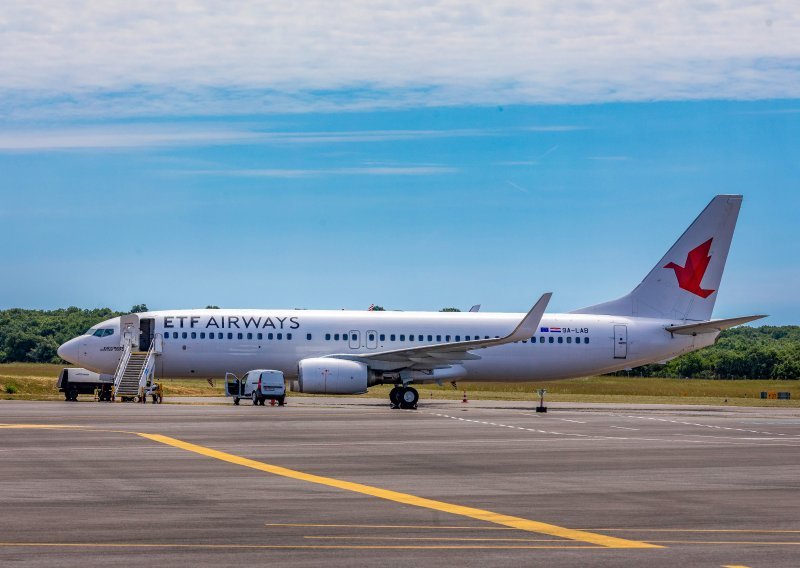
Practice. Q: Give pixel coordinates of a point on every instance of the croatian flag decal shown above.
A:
(550, 329)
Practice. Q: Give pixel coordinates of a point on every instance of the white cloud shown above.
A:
(143, 135)
(223, 56)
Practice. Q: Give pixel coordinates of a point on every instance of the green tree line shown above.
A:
(765, 352)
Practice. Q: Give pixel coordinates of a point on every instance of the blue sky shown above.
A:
(328, 180)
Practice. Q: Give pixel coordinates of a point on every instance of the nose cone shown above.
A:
(70, 351)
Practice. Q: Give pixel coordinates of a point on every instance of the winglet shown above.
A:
(530, 323)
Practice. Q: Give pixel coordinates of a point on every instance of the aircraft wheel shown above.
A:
(394, 396)
(408, 398)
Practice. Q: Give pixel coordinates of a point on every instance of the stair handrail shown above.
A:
(121, 364)
(146, 368)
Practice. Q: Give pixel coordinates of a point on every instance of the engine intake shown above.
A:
(322, 375)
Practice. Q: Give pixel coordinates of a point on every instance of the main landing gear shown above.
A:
(404, 397)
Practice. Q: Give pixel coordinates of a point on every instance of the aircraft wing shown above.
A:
(709, 326)
(442, 355)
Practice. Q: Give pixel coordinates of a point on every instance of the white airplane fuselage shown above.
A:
(566, 345)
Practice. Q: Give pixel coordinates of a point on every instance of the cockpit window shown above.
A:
(100, 332)
(90, 331)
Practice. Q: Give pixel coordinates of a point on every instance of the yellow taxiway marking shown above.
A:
(396, 496)
(405, 498)
(285, 546)
(734, 566)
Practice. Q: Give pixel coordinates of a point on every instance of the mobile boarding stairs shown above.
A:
(134, 378)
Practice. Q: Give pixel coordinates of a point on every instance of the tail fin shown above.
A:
(684, 284)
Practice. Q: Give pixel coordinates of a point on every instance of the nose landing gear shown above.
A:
(404, 397)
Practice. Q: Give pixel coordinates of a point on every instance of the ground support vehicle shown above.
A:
(73, 381)
(258, 385)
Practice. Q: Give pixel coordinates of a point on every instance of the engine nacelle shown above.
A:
(322, 375)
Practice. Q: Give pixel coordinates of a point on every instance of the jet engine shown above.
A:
(322, 375)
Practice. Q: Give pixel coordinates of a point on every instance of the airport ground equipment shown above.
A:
(541, 407)
(134, 378)
(73, 381)
(258, 385)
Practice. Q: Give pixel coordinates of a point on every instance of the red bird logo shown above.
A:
(690, 276)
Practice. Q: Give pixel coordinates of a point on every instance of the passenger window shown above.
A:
(458, 338)
(327, 337)
(466, 338)
(541, 339)
(383, 337)
(238, 336)
(279, 336)
(551, 339)
(421, 338)
(439, 338)
(586, 340)
(411, 337)
(402, 337)
(308, 337)
(260, 336)
(372, 337)
(184, 335)
(249, 336)
(354, 337)
(336, 337)
(430, 338)
(270, 336)
(569, 340)
(447, 338)
(202, 335)
(561, 340)
(289, 336)
(194, 335)
(391, 337)
(230, 335)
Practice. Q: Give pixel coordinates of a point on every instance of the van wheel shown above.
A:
(255, 399)
(282, 401)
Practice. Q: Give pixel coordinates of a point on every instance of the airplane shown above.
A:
(346, 352)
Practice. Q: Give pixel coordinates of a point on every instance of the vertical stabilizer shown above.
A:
(684, 284)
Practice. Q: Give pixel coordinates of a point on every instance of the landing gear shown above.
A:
(71, 394)
(408, 398)
(404, 397)
(394, 396)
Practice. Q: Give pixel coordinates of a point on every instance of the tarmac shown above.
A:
(348, 481)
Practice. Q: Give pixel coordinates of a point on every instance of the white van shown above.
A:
(258, 385)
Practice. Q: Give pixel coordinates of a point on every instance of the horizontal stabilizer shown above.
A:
(710, 326)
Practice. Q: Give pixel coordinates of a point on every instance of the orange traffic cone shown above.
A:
(465, 397)
(272, 402)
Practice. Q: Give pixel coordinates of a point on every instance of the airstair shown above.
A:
(135, 374)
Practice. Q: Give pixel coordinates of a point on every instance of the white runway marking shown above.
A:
(702, 425)
(624, 428)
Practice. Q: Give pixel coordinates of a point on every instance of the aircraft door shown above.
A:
(147, 327)
(355, 339)
(372, 339)
(129, 330)
(620, 341)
